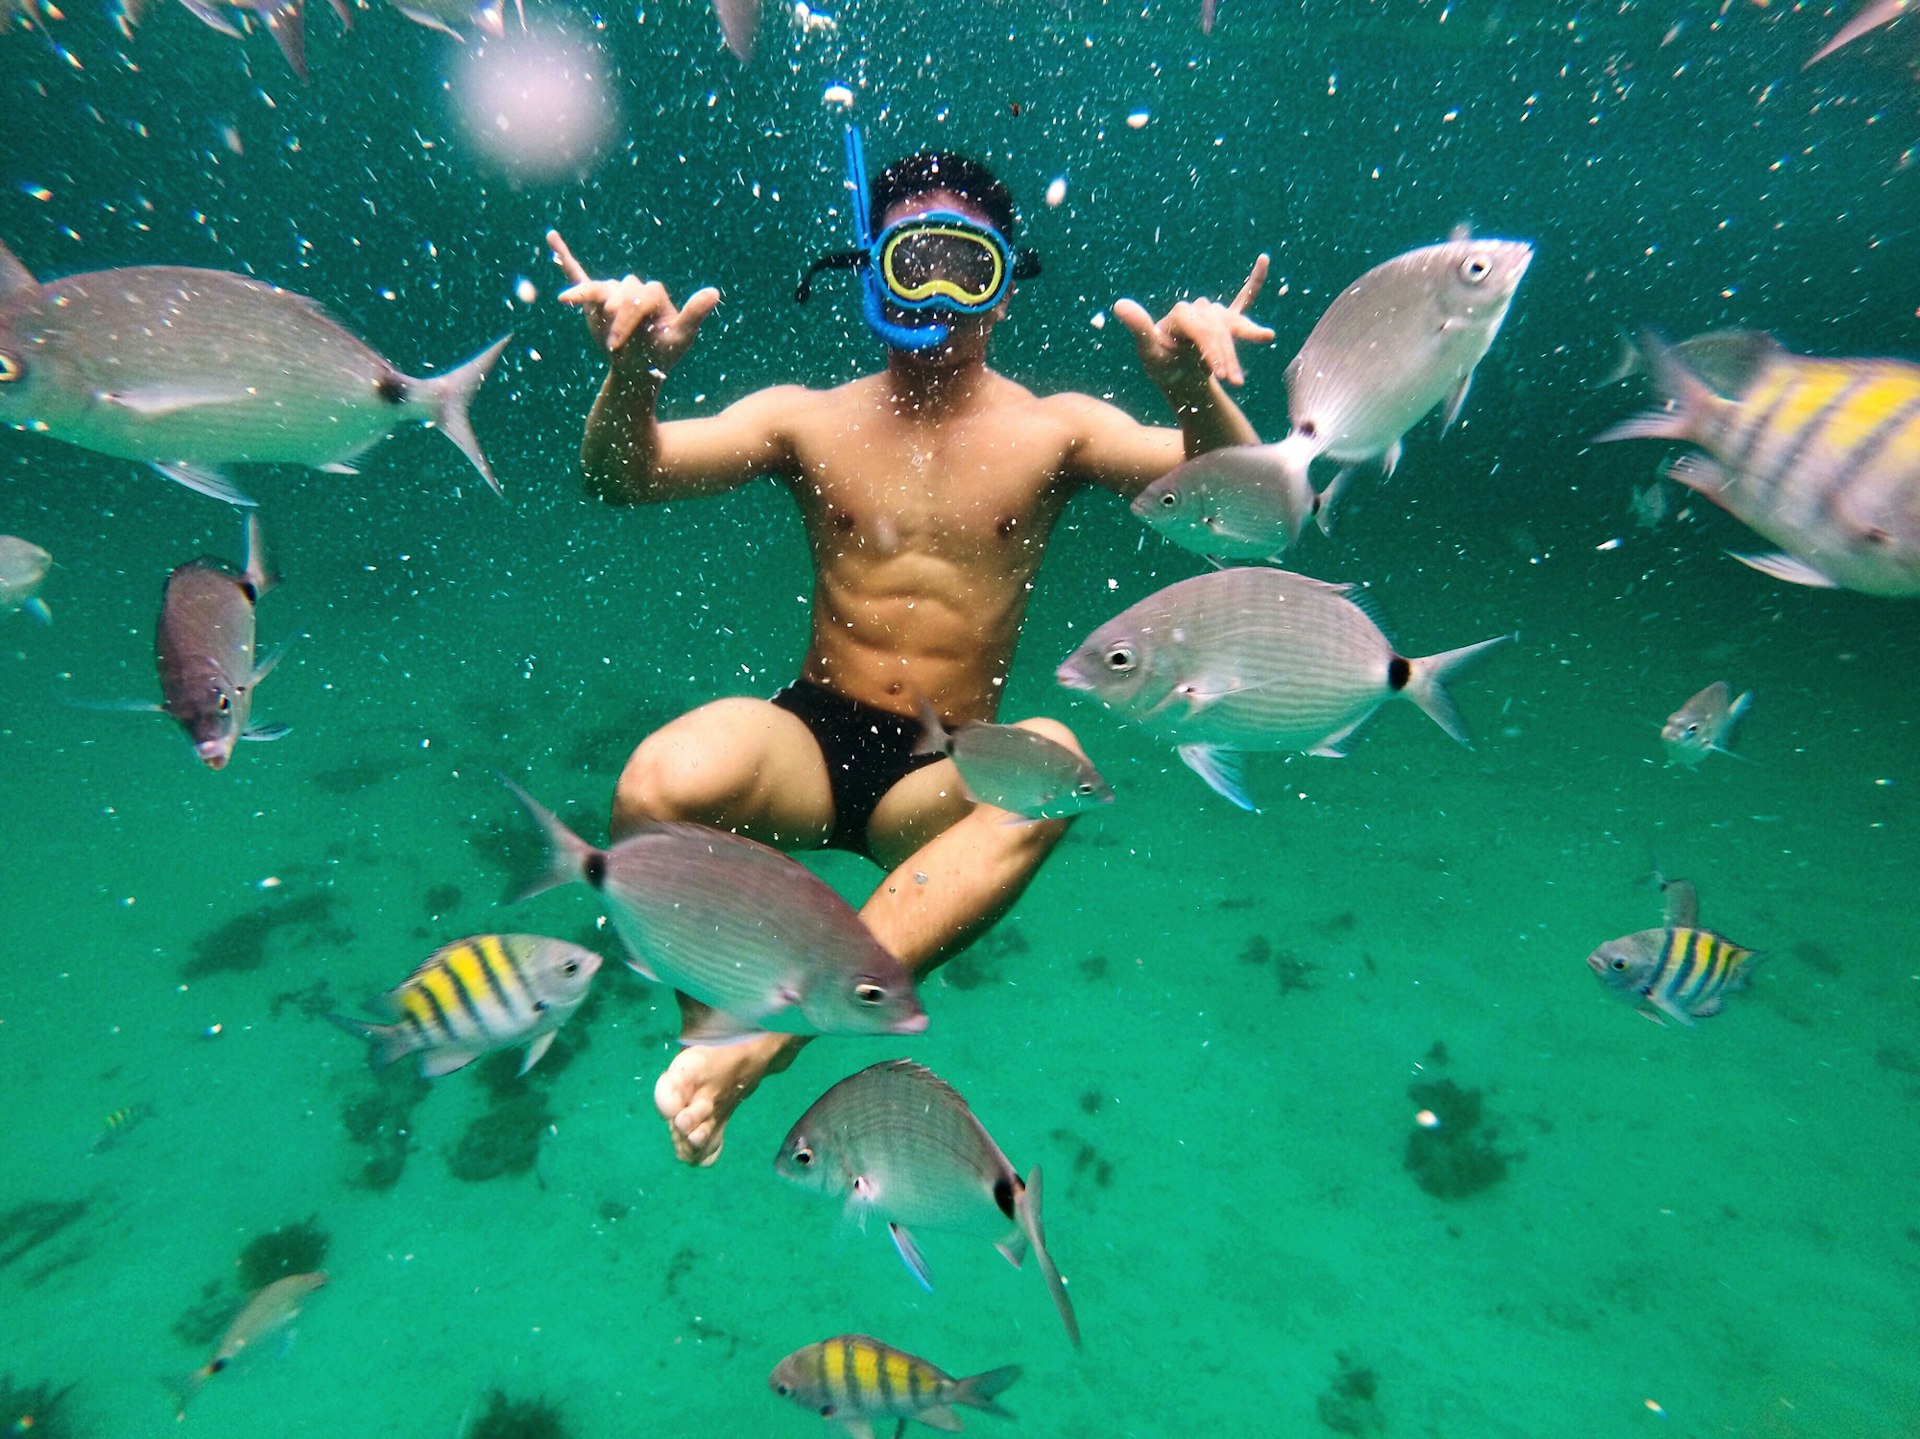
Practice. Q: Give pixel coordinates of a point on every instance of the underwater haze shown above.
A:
(1218, 1032)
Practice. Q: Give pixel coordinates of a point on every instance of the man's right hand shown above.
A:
(633, 319)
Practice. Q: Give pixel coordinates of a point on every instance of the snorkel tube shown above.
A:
(873, 292)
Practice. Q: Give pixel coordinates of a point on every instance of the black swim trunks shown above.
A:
(868, 751)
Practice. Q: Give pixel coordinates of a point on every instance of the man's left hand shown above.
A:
(1195, 341)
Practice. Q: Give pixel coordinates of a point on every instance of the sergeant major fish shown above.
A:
(1679, 970)
(1704, 725)
(1256, 659)
(899, 1142)
(270, 1310)
(476, 995)
(1014, 768)
(854, 1379)
(194, 370)
(1820, 456)
(23, 565)
(747, 932)
(203, 648)
(1402, 338)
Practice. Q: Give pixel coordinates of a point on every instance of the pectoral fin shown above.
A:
(37, 607)
(535, 1050)
(911, 1256)
(437, 1062)
(263, 733)
(703, 1024)
(265, 667)
(206, 480)
(205, 13)
(1224, 770)
(1786, 567)
(1456, 401)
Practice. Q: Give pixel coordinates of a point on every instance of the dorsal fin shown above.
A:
(14, 275)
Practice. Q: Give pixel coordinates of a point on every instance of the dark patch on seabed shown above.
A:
(298, 1247)
(29, 1227)
(241, 944)
(504, 1418)
(1452, 1156)
(381, 1124)
(984, 960)
(1351, 1403)
(36, 1409)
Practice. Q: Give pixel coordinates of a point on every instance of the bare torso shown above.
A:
(926, 536)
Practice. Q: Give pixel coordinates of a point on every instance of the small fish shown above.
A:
(451, 17)
(750, 934)
(269, 1311)
(1727, 360)
(1208, 10)
(1256, 659)
(739, 25)
(1704, 725)
(119, 1124)
(1885, 12)
(1241, 502)
(1403, 338)
(23, 565)
(1820, 456)
(1651, 505)
(282, 18)
(1015, 769)
(854, 1379)
(204, 650)
(476, 995)
(1681, 970)
(191, 371)
(899, 1142)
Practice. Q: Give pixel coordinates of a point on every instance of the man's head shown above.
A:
(929, 174)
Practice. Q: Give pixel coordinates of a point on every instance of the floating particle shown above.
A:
(1057, 191)
(1099, 320)
(525, 291)
(1427, 1119)
(837, 95)
(1138, 120)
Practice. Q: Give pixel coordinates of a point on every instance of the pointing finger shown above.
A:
(1255, 279)
(563, 257)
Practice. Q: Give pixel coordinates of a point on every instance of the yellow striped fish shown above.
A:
(476, 995)
(854, 1379)
(1821, 456)
(1681, 971)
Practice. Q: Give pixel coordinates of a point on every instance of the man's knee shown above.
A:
(673, 776)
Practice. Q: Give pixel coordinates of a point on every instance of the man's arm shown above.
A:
(629, 456)
(1188, 355)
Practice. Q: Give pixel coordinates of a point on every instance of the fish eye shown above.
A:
(826, 1411)
(10, 369)
(1120, 659)
(1169, 500)
(540, 1006)
(1083, 789)
(571, 967)
(1619, 964)
(869, 993)
(802, 1156)
(783, 1390)
(1474, 269)
(226, 705)
(1694, 728)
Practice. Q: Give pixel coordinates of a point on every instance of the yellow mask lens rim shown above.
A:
(940, 287)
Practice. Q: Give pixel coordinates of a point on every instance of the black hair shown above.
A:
(939, 170)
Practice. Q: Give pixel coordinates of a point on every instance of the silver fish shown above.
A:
(1241, 502)
(204, 650)
(452, 17)
(282, 18)
(1679, 970)
(1872, 17)
(1015, 769)
(899, 1142)
(23, 565)
(740, 25)
(1727, 360)
(1821, 456)
(476, 995)
(750, 934)
(854, 1379)
(1704, 725)
(1256, 659)
(193, 370)
(1402, 338)
(270, 1310)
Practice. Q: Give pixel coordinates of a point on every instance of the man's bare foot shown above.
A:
(705, 1084)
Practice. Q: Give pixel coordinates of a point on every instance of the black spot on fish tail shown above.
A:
(1003, 1194)
(1399, 671)
(1307, 428)
(595, 869)
(391, 387)
(216, 1366)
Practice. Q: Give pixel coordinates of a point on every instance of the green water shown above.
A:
(1204, 1024)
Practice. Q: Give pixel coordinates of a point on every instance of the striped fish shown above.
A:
(1821, 456)
(476, 995)
(1682, 971)
(898, 1141)
(854, 1379)
(1256, 659)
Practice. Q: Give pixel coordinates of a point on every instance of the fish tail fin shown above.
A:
(978, 1391)
(1688, 398)
(448, 396)
(385, 1042)
(181, 1390)
(289, 31)
(1294, 455)
(1027, 1211)
(13, 274)
(1426, 687)
(1626, 362)
(934, 738)
(259, 569)
(37, 607)
(1326, 504)
(569, 857)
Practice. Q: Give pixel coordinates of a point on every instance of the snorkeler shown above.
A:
(928, 491)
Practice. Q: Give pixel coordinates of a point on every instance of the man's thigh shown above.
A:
(740, 764)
